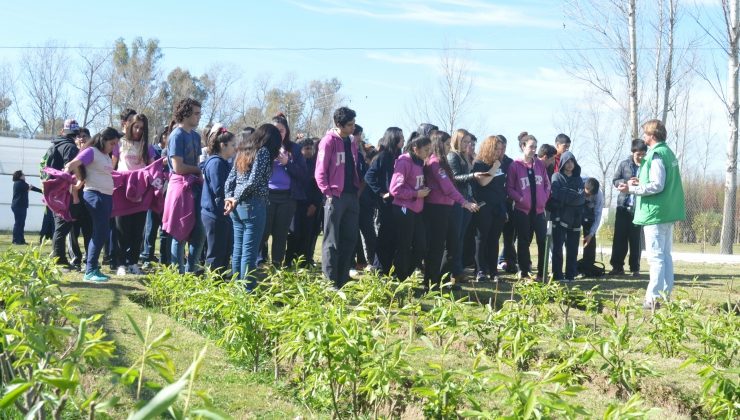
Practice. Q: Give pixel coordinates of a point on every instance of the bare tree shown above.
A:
(44, 76)
(726, 36)
(94, 87)
(218, 82)
(605, 142)
(6, 88)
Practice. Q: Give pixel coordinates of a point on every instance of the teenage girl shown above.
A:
(408, 191)
(528, 186)
(97, 195)
(219, 230)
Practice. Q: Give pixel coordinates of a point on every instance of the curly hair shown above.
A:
(487, 153)
(184, 109)
(343, 115)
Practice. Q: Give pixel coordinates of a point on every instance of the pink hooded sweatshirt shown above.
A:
(329, 171)
(139, 190)
(56, 192)
(443, 189)
(178, 218)
(517, 186)
(407, 179)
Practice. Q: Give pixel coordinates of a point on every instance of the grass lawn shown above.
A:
(243, 394)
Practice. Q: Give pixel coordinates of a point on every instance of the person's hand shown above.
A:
(480, 175)
(386, 196)
(77, 186)
(587, 239)
(471, 207)
(494, 167)
(229, 206)
(633, 181)
(622, 187)
(423, 192)
(283, 158)
(311, 211)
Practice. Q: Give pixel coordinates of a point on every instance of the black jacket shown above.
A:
(567, 199)
(65, 150)
(461, 173)
(313, 193)
(380, 172)
(20, 194)
(494, 194)
(626, 170)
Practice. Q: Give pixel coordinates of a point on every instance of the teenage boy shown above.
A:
(562, 145)
(337, 178)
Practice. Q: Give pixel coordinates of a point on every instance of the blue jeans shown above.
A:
(99, 206)
(249, 219)
(19, 225)
(658, 245)
(219, 243)
(460, 219)
(151, 226)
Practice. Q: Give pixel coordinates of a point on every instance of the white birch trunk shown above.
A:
(633, 70)
(728, 214)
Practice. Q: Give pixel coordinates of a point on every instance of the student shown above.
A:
(566, 206)
(591, 219)
(461, 150)
(246, 193)
(218, 227)
(378, 179)
(74, 253)
(409, 190)
(183, 151)
(133, 152)
(337, 178)
(286, 187)
(507, 259)
(528, 186)
(562, 145)
(19, 205)
(367, 242)
(547, 154)
(98, 192)
(438, 208)
(306, 222)
(627, 234)
(489, 221)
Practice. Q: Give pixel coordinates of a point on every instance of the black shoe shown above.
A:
(481, 277)
(636, 274)
(616, 272)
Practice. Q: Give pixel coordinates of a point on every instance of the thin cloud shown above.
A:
(444, 12)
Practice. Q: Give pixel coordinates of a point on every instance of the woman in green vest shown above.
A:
(660, 203)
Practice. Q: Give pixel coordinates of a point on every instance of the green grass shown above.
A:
(244, 394)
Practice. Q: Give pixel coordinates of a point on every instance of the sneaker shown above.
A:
(354, 273)
(481, 277)
(635, 274)
(494, 278)
(651, 305)
(503, 266)
(95, 276)
(121, 271)
(616, 272)
(134, 269)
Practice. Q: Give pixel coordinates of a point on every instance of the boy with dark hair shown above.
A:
(338, 180)
(562, 145)
(627, 234)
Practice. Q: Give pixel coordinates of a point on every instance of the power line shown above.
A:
(330, 49)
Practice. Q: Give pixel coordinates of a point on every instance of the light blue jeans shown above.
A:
(658, 244)
(249, 219)
(195, 242)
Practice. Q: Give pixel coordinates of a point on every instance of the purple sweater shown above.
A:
(517, 185)
(330, 165)
(443, 189)
(408, 178)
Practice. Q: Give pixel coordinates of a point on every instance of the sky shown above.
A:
(518, 70)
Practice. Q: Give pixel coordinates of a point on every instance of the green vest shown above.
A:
(668, 205)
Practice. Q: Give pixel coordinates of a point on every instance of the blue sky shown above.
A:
(513, 90)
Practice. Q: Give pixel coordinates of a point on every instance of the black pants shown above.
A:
(302, 232)
(385, 249)
(62, 228)
(410, 241)
(439, 233)
(508, 253)
(341, 216)
(280, 213)
(568, 237)
(489, 224)
(528, 226)
(74, 253)
(365, 249)
(19, 213)
(47, 225)
(589, 251)
(625, 234)
(220, 240)
(130, 236)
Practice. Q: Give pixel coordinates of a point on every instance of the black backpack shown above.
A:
(591, 270)
(46, 161)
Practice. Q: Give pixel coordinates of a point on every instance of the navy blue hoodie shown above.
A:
(567, 199)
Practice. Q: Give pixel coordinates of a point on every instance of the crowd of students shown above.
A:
(428, 202)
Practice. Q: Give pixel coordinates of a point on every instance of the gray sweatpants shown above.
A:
(341, 220)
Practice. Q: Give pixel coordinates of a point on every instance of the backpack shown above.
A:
(590, 270)
(46, 161)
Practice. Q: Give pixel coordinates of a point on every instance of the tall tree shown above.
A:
(6, 87)
(135, 76)
(218, 81)
(94, 86)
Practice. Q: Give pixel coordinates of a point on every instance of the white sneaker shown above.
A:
(134, 269)
(354, 273)
(121, 271)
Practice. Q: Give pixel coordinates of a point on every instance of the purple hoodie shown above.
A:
(408, 178)
(330, 165)
(443, 189)
(517, 185)
(139, 190)
(178, 218)
(56, 192)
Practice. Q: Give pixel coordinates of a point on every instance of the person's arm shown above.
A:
(512, 184)
(598, 210)
(657, 179)
(455, 162)
(485, 180)
(181, 168)
(321, 173)
(216, 175)
(32, 188)
(296, 166)
(258, 175)
(619, 175)
(371, 178)
(399, 187)
(115, 155)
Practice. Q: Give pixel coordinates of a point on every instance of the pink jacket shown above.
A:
(443, 189)
(407, 179)
(178, 218)
(56, 192)
(517, 185)
(139, 190)
(329, 171)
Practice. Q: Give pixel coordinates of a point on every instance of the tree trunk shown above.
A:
(633, 70)
(669, 64)
(728, 213)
